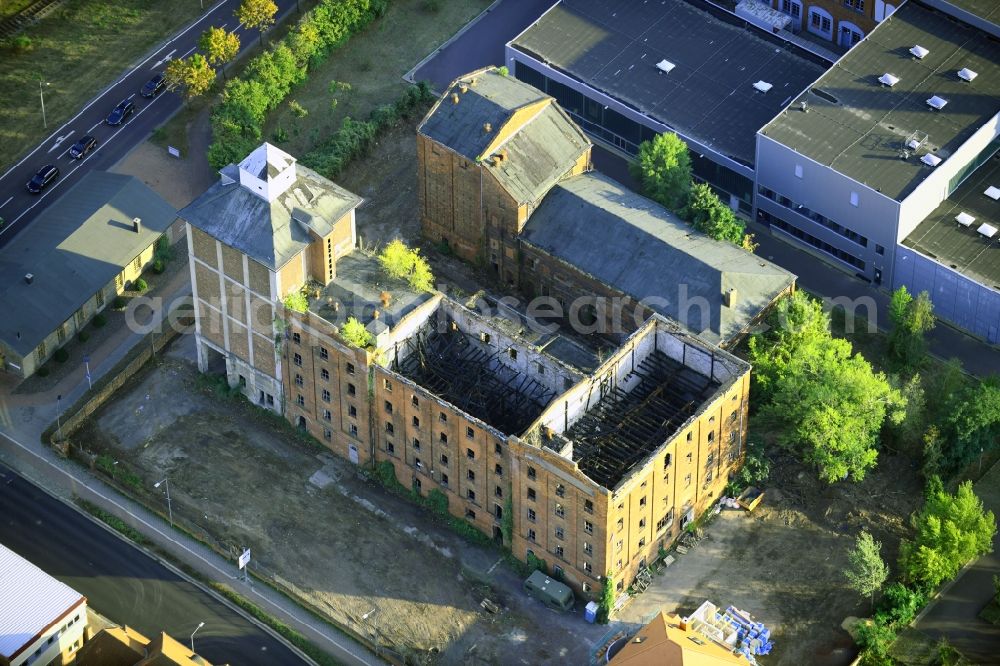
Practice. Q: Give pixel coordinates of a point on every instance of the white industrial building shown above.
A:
(42, 620)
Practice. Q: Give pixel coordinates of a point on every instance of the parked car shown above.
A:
(121, 112)
(154, 86)
(42, 178)
(80, 149)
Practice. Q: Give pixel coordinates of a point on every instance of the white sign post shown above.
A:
(173, 151)
(244, 561)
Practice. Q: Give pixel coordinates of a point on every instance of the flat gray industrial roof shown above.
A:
(986, 9)
(964, 249)
(74, 248)
(709, 96)
(859, 126)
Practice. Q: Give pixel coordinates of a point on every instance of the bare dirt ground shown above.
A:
(784, 563)
(342, 544)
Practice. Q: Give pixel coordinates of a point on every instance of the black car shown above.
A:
(121, 112)
(44, 176)
(80, 149)
(154, 86)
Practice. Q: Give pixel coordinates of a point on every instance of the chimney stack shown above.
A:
(487, 128)
(29, 278)
(136, 224)
(464, 88)
(454, 98)
(730, 298)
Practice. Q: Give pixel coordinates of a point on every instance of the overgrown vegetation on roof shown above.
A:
(403, 263)
(355, 333)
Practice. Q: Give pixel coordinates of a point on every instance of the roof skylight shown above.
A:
(888, 79)
(919, 51)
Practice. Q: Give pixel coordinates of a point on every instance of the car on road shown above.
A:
(42, 178)
(80, 149)
(121, 112)
(154, 86)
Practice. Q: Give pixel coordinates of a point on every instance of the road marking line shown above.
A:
(60, 141)
(189, 53)
(207, 17)
(490, 570)
(155, 528)
(130, 96)
(6, 202)
(96, 125)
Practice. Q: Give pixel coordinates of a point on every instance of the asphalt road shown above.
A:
(123, 583)
(19, 208)
(482, 43)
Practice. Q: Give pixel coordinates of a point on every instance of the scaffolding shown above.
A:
(626, 426)
(473, 379)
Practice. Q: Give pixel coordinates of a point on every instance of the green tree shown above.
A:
(709, 215)
(911, 319)
(355, 333)
(867, 571)
(403, 263)
(193, 75)
(950, 531)
(219, 46)
(297, 302)
(257, 14)
(663, 169)
(975, 423)
(827, 404)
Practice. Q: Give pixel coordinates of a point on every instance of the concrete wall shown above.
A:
(963, 302)
(829, 193)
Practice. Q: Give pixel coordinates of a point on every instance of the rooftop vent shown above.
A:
(931, 160)
(919, 52)
(487, 127)
(937, 103)
(763, 86)
(888, 79)
(464, 88)
(29, 278)
(987, 230)
(665, 66)
(916, 139)
(454, 98)
(967, 74)
(136, 224)
(993, 193)
(965, 219)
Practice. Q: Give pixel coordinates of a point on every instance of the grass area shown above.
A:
(371, 65)
(11, 7)
(78, 50)
(114, 522)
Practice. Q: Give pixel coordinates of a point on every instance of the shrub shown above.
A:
(83, 336)
(22, 44)
(355, 333)
(607, 600)
(503, 71)
(61, 355)
(299, 110)
(140, 285)
(297, 302)
(875, 638)
(119, 303)
(432, 5)
(403, 263)
(437, 501)
(158, 266)
(536, 563)
(100, 320)
(43, 371)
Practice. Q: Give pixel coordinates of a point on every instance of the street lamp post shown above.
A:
(170, 509)
(200, 625)
(41, 96)
(59, 415)
(371, 614)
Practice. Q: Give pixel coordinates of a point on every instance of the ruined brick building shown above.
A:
(591, 463)
(504, 180)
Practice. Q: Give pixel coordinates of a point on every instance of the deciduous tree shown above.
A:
(867, 571)
(912, 318)
(257, 14)
(663, 169)
(193, 75)
(709, 215)
(951, 530)
(219, 46)
(827, 404)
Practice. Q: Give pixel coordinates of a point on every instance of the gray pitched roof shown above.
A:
(75, 247)
(270, 232)
(538, 153)
(640, 248)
